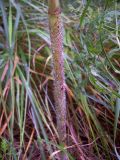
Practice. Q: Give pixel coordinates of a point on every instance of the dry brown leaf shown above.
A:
(5, 71)
(5, 124)
(29, 143)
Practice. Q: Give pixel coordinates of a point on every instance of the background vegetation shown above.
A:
(92, 71)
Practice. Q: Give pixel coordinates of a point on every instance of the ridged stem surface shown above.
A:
(56, 34)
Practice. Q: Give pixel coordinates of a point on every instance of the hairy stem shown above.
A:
(56, 34)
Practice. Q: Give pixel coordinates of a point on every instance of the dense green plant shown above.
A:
(4, 148)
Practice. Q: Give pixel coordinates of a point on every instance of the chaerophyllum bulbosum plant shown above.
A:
(56, 34)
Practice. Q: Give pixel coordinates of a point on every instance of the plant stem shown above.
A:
(56, 34)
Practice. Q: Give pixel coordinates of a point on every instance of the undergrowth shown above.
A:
(92, 62)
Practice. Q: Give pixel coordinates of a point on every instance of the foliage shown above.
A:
(3, 148)
(92, 62)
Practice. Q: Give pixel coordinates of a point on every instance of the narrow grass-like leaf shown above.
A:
(117, 113)
(4, 16)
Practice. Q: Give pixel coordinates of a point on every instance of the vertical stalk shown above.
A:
(56, 34)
